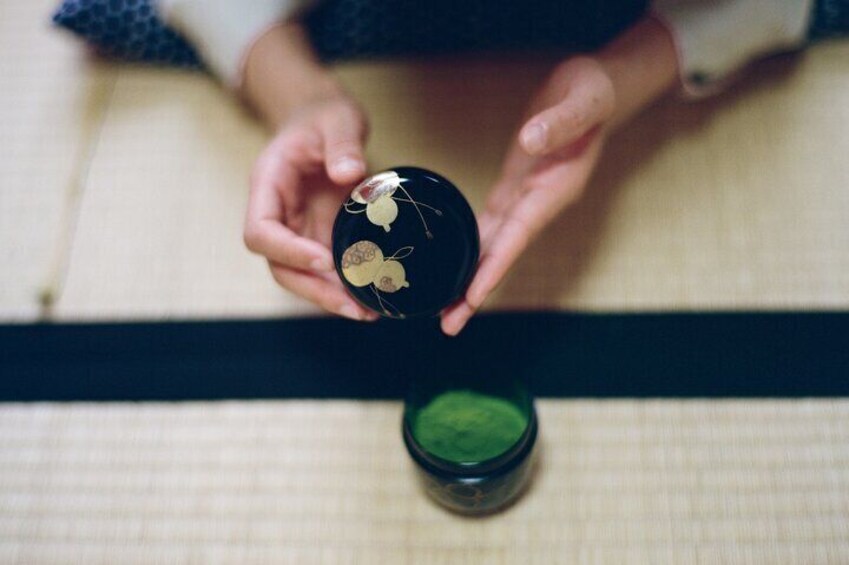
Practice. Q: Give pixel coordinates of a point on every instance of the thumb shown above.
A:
(588, 101)
(344, 130)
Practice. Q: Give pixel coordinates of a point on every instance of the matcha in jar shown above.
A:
(464, 426)
(472, 440)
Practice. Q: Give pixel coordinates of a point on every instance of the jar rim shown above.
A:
(497, 465)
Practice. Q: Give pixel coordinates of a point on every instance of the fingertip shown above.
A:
(534, 137)
(354, 311)
(455, 319)
(346, 169)
(451, 327)
(371, 317)
(351, 312)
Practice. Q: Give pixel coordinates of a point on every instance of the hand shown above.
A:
(546, 169)
(559, 145)
(297, 186)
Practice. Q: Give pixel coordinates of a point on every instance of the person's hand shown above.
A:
(550, 162)
(546, 169)
(297, 186)
(307, 170)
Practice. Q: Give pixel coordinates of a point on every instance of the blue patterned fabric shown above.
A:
(830, 19)
(346, 29)
(126, 29)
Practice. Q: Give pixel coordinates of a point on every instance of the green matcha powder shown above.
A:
(468, 427)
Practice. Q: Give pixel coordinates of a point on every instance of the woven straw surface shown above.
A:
(304, 482)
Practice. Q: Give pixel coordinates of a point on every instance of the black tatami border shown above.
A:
(741, 354)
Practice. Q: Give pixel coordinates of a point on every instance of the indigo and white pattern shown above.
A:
(126, 29)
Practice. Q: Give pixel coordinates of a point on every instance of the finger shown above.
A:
(329, 296)
(502, 198)
(507, 245)
(553, 188)
(486, 227)
(559, 178)
(265, 233)
(588, 102)
(344, 135)
(516, 162)
(455, 317)
(277, 243)
(509, 239)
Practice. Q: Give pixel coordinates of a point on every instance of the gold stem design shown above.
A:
(415, 204)
(407, 249)
(436, 211)
(350, 211)
(383, 304)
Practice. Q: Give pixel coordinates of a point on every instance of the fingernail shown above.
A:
(533, 138)
(321, 265)
(348, 165)
(350, 311)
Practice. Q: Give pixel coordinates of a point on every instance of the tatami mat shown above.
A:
(305, 482)
(51, 104)
(159, 231)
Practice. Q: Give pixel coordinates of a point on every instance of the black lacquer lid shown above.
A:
(406, 243)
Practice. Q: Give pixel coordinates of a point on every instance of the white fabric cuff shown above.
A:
(224, 30)
(716, 38)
